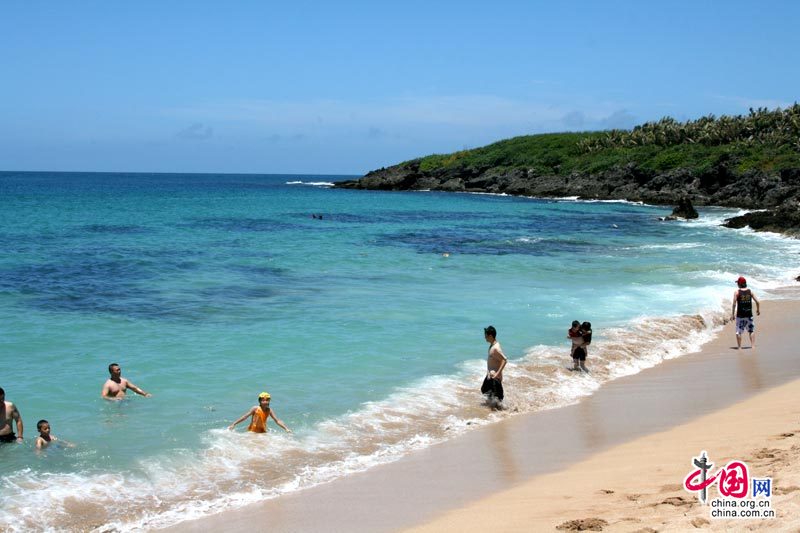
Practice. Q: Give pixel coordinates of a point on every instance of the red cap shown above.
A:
(741, 281)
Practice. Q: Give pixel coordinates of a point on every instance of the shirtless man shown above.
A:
(115, 387)
(8, 415)
(495, 363)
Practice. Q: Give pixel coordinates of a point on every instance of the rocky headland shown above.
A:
(750, 162)
(775, 196)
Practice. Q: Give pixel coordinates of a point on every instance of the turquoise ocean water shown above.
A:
(366, 326)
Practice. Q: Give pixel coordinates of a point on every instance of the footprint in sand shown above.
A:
(583, 524)
(767, 453)
(677, 501)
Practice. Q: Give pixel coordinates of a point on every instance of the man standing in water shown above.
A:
(115, 387)
(495, 363)
(742, 312)
(8, 415)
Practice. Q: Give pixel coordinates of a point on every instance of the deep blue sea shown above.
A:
(365, 324)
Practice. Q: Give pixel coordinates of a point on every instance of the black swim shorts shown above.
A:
(8, 438)
(492, 387)
(579, 353)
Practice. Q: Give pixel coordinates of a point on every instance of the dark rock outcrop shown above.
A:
(778, 193)
(785, 219)
(684, 209)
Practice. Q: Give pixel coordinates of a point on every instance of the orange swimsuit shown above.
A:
(259, 421)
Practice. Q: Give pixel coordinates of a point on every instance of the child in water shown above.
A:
(581, 337)
(45, 438)
(259, 415)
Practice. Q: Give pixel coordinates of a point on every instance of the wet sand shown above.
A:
(637, 486)
(450, 486)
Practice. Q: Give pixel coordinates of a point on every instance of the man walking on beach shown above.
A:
(495, 363)
(742, 312)
(115, 387)
(8, 415)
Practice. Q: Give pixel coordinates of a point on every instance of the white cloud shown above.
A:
(755, 103)
(620, 119)
(195, 132)
(470, 112)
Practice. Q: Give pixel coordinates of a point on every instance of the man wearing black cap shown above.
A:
(742, 312)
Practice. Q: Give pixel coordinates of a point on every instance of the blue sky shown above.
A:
(346, 87)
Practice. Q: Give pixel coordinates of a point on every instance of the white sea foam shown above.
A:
(484, 193)
(715, 216)
(235, 469)
(578, 199)
(312, 183)
(672, 246)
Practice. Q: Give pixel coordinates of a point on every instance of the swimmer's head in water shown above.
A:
(264, 396)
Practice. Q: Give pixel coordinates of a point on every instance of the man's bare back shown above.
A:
(496, 361)
(7, 418)
(9, 415)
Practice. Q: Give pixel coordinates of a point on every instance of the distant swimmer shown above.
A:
(9, 414)
(45, 438)
(259, 415)
(742, 312)
(115, 387)
(495, 363)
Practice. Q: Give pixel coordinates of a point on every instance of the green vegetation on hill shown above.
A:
(762, 140)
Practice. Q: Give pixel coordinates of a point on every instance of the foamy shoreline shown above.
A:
(584, 428)
(638, 484)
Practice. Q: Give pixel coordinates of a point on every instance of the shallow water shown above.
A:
(364, 325)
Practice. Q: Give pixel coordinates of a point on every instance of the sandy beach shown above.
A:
(637, 486)
(615, 461)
